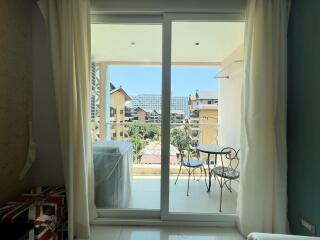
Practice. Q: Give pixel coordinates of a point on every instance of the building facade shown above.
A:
(153, 102)
(203, 120)
(118, 99)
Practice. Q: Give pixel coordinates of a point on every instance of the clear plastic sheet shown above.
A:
(113, 173)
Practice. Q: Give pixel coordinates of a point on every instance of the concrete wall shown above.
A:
(230, 100)
(15, 95)
(303, 115)
(208, 123)
(48, 167)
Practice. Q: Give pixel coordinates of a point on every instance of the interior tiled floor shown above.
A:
(146, 195)
(162, 233)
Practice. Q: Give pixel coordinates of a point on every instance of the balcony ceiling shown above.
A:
(193, 42)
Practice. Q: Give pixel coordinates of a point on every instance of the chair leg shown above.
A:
(188, 182)
(178, 174)
(221, 186)
(228, 187)
(194, 177)
(200, 174)
(205, 177)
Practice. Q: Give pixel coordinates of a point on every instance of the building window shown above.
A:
(114, 135)
(121, 134)
(112, 111)
(121, 111)
(209, 102)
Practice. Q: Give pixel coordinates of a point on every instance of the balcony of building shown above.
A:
(137, 155)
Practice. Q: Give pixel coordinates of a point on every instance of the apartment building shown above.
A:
(203, 121)
(118, 99)
(153, 101)
(140, 115)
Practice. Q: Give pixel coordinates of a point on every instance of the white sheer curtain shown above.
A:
(262, 201)
(68, 23)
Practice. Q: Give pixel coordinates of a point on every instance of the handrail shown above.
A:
(159, 123)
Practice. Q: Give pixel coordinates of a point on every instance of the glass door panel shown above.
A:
(158, 93)
(206, 74)
(125, 115)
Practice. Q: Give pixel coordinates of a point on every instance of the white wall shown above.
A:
(229, 114)
(48, 166)
(235, 6)
(230, 103)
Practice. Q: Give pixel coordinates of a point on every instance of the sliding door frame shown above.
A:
(163, 216)
(168, 19)
(125, 216)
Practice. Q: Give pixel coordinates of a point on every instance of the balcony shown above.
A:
(204, 107)
(145, 144)
(146, 195)
(193, 90)
(194, 127)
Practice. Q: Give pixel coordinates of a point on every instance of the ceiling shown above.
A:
(192, 42)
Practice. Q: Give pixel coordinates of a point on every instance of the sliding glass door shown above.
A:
(163, 86)
(126, 115)
(202, 74)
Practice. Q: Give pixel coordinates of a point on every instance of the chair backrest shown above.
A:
(230, 159)
(184, 146)
(181, 147)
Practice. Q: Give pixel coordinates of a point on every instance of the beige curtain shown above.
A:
(68, 23)
(262, 201)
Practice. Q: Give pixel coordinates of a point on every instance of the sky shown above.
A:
(147, 80)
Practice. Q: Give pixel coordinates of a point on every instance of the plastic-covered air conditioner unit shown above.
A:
(113, 173)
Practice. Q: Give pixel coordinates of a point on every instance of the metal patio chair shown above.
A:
(227, 171)
(190, 164)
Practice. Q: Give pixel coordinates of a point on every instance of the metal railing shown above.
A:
(145, 135)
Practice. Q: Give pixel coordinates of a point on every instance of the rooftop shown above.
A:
(206, 95)
(127, 97)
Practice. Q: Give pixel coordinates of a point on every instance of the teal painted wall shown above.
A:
(304, 115)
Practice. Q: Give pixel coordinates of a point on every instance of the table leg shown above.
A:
(210, 174)
(215, 159)
(215, 164)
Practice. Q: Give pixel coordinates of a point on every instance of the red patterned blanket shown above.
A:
(43, 207)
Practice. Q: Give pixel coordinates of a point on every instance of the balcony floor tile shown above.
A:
(146, 195)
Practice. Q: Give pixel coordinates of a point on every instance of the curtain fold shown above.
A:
(262, 201)
(68, 23)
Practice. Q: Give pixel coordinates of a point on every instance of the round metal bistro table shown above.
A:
(211, 149)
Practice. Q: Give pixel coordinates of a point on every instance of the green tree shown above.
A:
(136, 130)
(140, 134)
(137, 145)
(179, 136)
(152, 132)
